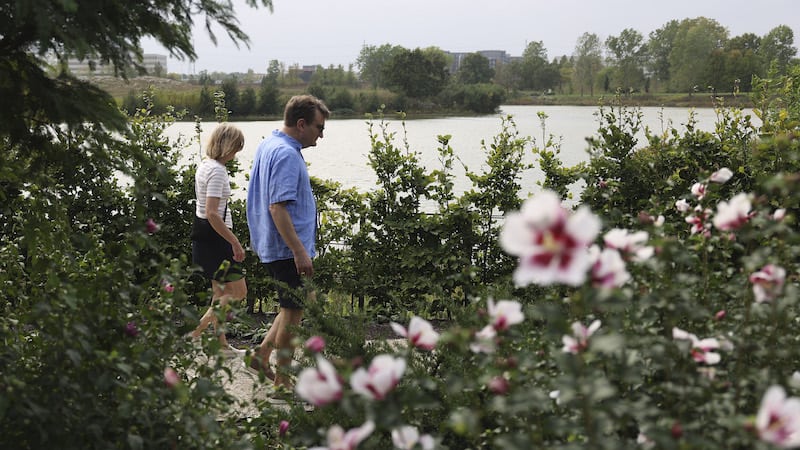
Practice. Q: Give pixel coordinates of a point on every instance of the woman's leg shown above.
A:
(224, 293)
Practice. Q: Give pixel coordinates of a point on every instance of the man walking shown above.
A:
(282, 217)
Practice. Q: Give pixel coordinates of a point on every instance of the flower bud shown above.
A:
(315, 344)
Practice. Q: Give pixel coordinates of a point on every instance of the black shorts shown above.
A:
(288, 283)
(215, 256)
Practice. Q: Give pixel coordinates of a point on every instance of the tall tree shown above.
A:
(588, 62)
(417, 73)
(626, 55)
(695, 41)
(777, 47)
(535, 71)
(107, 32)
(474, 69)
(371, 62)
(659, 48)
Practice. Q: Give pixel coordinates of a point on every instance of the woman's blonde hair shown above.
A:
(225, 139)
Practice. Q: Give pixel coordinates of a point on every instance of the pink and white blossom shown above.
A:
(505, 313)
(420, 333)
(321, 385)
(699, 220)
(151, 226)
(701, 348)
(682, 205)
(721, 176)
(550, 241)
(171, 378)
(632, 244)
(699, 190)
(315, 344)
(408, 437)
(339, 440)
(484, 340)
(732, 215)
(383, 375)
(779, 214)
(579, 341)
(778, 419)
(768, 282)
(608, 270)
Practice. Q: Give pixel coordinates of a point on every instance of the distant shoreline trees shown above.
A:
(686, 56)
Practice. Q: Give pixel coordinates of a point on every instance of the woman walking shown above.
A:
(214, 246)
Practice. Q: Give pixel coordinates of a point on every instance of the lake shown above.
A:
(342, 154)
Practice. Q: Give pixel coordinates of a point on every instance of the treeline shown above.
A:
(687, 56)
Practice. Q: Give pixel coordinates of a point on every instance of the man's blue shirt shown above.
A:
(279, 174)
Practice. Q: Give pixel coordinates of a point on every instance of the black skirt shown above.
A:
(215, 256)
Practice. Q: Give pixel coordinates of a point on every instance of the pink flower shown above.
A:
(315, 344)
(779, 214)
(682, 205)
(720, 314)
(319, 386)
(608, 270)
(167, 286)
(151, 226)
(484, 340)
(551, 242)
(339, 440)
(579, 341)
(420, 333)
(629, 243)
(283, 427)
(778, 418)
(699, 220)
(505, 313)
(699, 190)
(701, 348)
(383, 375)
(732, 215)
(171, 378)
(131, 329)
(408, 437)
(768, 282)
(721, 176)
(498, 385)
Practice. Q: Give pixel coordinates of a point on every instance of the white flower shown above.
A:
(630, 243)
(321, 385)
(721, 176)
(701, 348)
(551, 242)
(339, 440)
(682, 205)
(579, 340)
(420, 333)
(779, 214)
(768, 282)
(407, 437)
(699, 190)
(731, 215)
(778, 418)
(608, 270)
(484, 340)
(383, 375)
(505, 313)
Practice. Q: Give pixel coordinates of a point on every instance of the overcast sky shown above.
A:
(325, 32)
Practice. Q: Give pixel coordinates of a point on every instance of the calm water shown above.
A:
(342, 154)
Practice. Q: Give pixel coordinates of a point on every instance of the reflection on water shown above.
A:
(342, 154)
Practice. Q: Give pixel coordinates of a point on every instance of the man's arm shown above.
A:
(283, 222)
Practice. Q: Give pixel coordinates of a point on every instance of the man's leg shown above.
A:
(264, 350)
(283, 342)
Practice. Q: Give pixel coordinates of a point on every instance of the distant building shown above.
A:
(153, 63)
